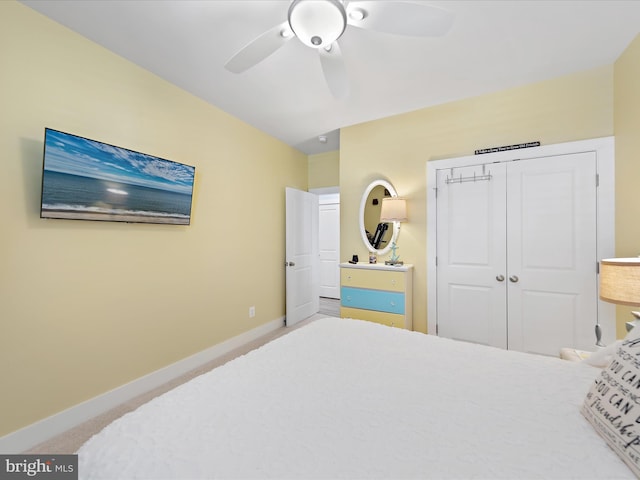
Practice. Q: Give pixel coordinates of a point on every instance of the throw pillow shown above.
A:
(612, 405)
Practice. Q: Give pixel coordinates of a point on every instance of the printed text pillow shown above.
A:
(612, 405)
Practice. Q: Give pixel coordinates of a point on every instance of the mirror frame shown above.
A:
(363, 205)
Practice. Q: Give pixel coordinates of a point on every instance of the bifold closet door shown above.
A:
(516, 253)
(551, 253)
(471, 238)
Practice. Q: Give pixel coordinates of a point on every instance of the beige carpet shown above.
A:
(72, 440)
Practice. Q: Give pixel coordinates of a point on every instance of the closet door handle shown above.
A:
(500, 278)
(514, 278)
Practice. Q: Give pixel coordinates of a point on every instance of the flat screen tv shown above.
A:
(84, 179)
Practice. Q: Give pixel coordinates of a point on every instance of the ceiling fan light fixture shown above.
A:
(317, 23)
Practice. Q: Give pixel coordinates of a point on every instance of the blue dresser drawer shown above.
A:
(391, 302)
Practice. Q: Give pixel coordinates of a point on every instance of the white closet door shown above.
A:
(552, 256)
(471, 246)
(517, 254)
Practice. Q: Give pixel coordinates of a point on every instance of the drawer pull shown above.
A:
(393, 304)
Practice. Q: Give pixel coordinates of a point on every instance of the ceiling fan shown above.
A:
(319, 24)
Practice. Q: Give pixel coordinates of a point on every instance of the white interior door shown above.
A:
(329, 244)
(302, 255)
(471, 237)
(552, 253)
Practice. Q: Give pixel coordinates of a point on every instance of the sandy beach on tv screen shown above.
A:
(110, 217)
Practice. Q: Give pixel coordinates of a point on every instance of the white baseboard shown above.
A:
(45, 429)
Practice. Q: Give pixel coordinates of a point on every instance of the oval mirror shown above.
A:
(377, 236)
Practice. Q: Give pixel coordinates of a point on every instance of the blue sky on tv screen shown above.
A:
(74, 155)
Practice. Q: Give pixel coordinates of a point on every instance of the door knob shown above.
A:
(500, 278)
(513, 278)
(289, 264)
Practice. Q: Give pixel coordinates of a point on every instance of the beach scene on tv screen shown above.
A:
(85, 179)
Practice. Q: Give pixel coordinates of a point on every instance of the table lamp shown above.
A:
(394, 209)
(620, 284)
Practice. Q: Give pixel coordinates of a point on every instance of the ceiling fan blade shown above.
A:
(400, 18)
(335, 71)
(259, 49)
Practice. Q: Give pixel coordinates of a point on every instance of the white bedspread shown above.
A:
(350, 399)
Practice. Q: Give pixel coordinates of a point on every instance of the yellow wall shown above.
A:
(627, 131)
(396, 149)
(324, 169)
(88, 306)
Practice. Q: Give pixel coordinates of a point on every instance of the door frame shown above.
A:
(605, 216)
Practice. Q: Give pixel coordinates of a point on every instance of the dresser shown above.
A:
(377, 293)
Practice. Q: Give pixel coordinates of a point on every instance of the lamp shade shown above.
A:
(620, 281)
(394, 209)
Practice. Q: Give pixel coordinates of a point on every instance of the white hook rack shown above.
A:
(486, 176)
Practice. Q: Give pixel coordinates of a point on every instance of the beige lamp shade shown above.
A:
(620, 281)
(394, 209)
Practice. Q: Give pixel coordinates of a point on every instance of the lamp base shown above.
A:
(599, 336)
(393, 262)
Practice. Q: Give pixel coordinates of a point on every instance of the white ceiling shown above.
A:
(492, 45)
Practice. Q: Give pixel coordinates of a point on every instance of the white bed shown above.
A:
(351, 399)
